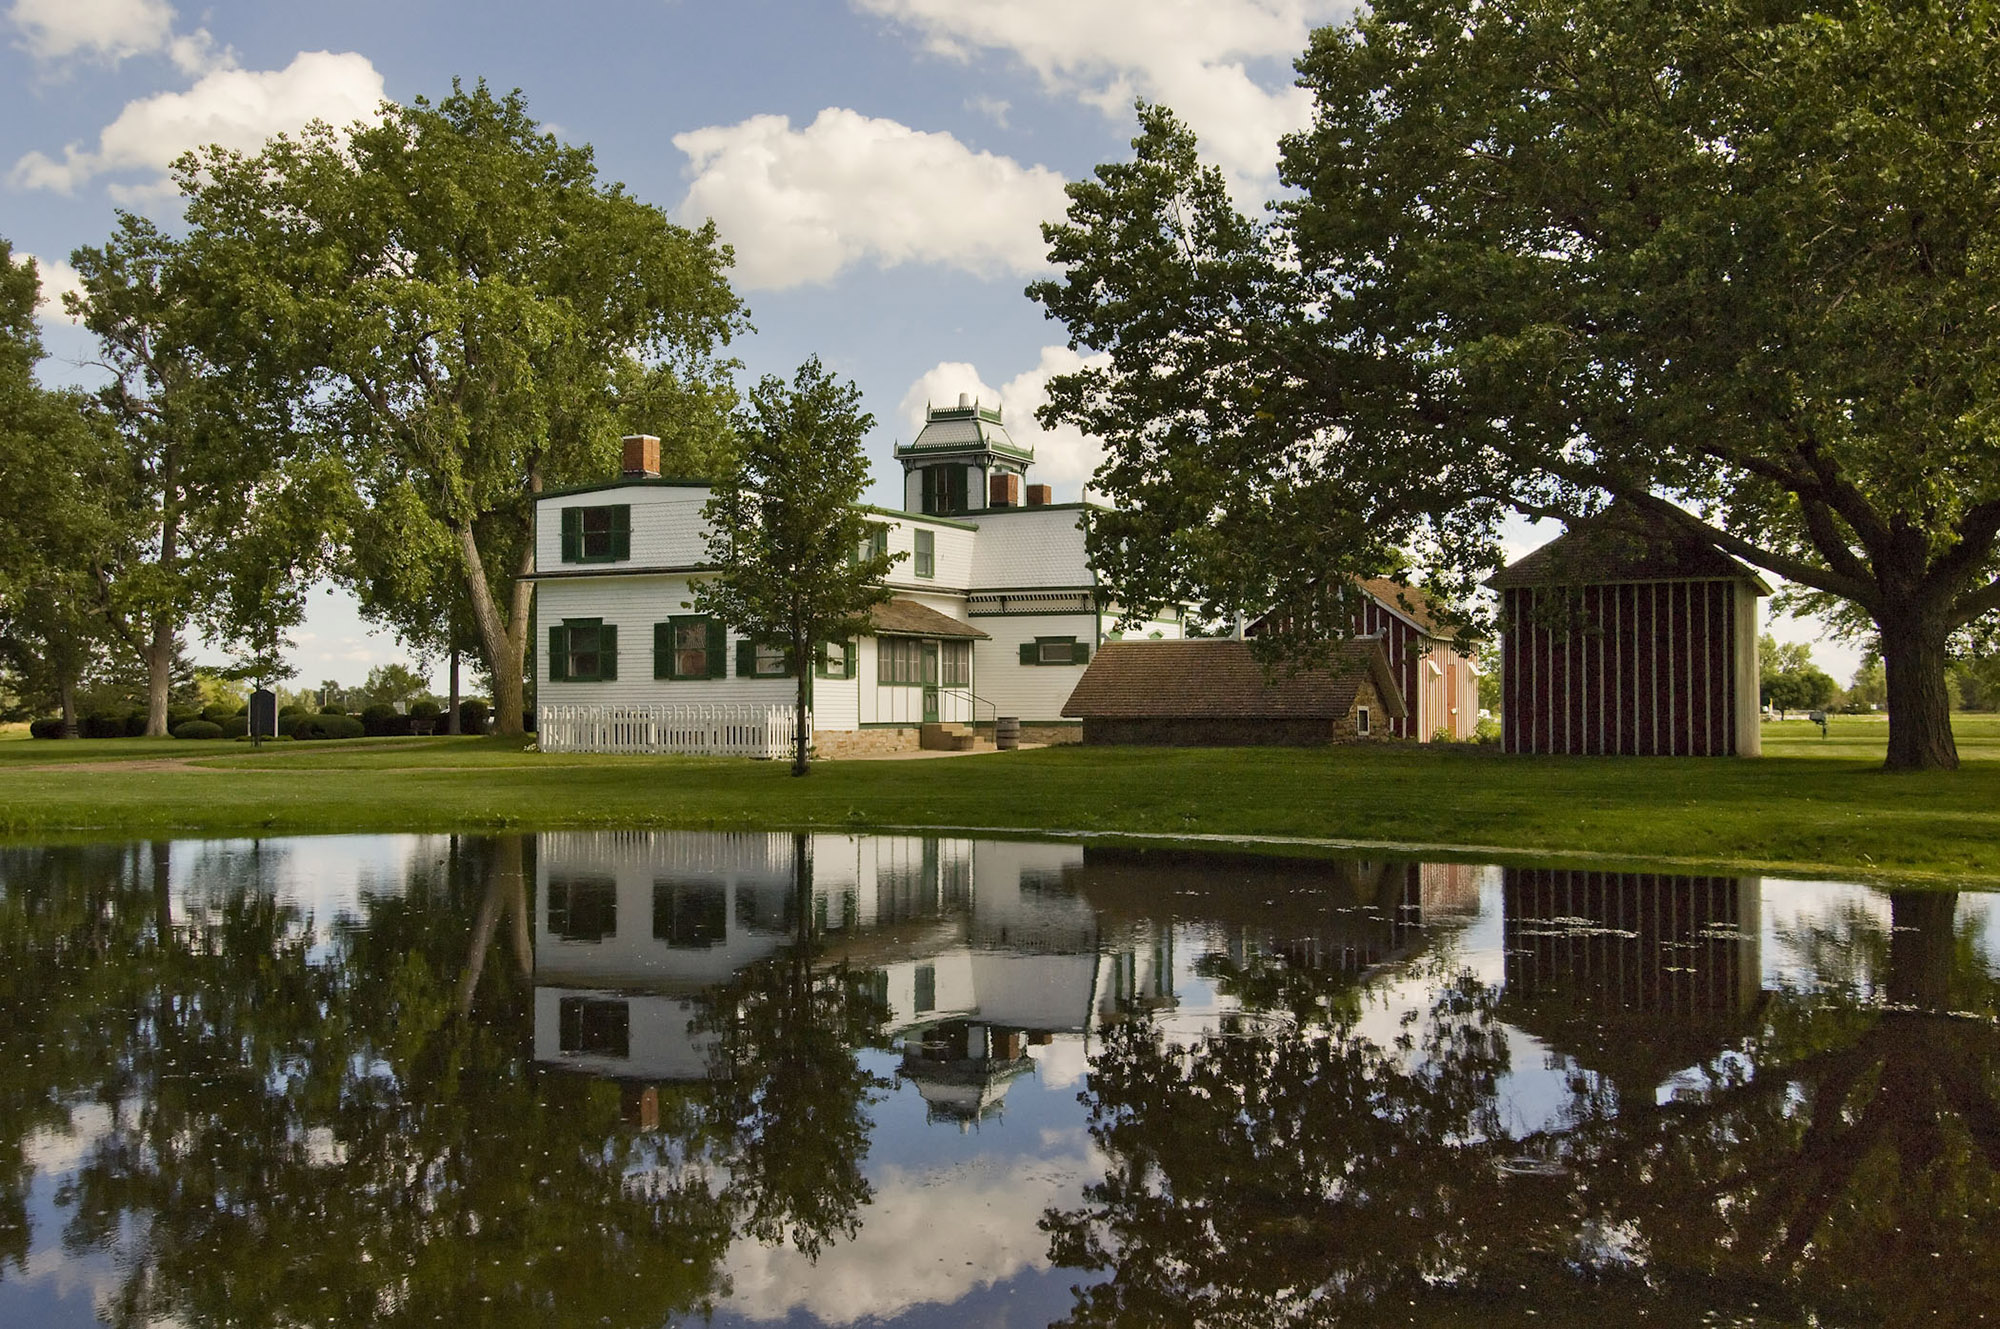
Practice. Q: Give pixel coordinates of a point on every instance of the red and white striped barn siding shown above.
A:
(1405, 647)
(1651, 672)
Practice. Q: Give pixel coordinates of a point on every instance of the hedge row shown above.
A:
(293, 722)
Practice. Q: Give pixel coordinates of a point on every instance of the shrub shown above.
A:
(528, 722)
(180, 715)
(425, 710)
(472, 717)
(217, 713)
(289, 724)
(199, 729)
(135, 725)
(236, 726)
(376, 719)
(331, 709)
(51, 728)
(328, 726)
(293, 710)
(103, 724)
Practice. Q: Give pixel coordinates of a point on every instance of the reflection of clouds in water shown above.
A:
(79, 1286)
(1061, 1063)
(47, 1150)
(1796, 907)
(324, 877)
(929, 1237)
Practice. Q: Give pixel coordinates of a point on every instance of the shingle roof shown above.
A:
(1623, 544)
(1404, 599)
(1219, 678)
(907, 618)
(964, 429)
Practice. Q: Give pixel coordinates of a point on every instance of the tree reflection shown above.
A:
(1833, 1159)
(792, 1094)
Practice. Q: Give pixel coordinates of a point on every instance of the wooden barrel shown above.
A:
(1007, 732)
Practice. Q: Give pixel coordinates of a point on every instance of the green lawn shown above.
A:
(1813, 806)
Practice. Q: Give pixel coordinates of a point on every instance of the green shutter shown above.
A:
(1083, 652)
(559, 654)
(621, 531)
(607, 653)
(1031, 653)
(746, 658)
(663, 650)
(718, 662)
(572, 535)
(847, 649)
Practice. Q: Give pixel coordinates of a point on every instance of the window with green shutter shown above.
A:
(689, 646)
(583, 650)
(1055, 651)
(756, 660)
(835, 659)
(600, 534)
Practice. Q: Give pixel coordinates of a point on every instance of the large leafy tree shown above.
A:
(220, 536)
(786, 527)
(62, 528)
(1732, 264)
(460, 291)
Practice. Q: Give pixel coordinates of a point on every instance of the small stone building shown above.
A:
(1215, 693)
(1624, 638)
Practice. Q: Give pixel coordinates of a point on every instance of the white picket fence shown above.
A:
(709, 731)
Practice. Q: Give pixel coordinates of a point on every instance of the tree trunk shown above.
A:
(501, 649)
(802, 721)
(451, 722)
(159, 675)
(1913, 660)
(67, 689)
(1922, 947)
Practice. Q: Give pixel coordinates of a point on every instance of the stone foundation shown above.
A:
(1048, 734)
(833, 744)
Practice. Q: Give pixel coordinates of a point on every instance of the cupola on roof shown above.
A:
(965, 429)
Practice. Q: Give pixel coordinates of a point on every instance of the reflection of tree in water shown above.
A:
(334, 1142)
(1839, 1160)
(791, 1095)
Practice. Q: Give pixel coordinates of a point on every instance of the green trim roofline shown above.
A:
(626, 482)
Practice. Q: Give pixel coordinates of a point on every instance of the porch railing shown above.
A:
(716, 730)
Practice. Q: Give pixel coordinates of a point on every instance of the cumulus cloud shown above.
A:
(1065, 457)
(55, 31)
(236, 108)
(802, 205)
(58, 279)
(1223, 65)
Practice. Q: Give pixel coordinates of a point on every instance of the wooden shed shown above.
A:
(1212, 692)
(1622, 637)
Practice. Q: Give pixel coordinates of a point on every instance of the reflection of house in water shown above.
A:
(975, 949)
(1635, 975)
(1329, 917)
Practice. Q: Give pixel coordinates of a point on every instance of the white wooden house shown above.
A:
(996, 612)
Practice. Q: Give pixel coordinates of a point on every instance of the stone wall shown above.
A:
(1246, 731)
(833, 744)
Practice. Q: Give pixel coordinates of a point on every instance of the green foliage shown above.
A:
(457, 291)
(389, 685)
(198, 729)
(785, 528)
(1789, 680)
(1729, 264)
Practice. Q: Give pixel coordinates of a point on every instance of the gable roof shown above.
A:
(1623, 544)
(907, 618)
(1405, 601)
(1218, 678)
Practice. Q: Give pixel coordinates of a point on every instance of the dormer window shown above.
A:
(944, 490)
(601, 534)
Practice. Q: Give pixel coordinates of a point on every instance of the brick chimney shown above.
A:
(642, 457)
(1038, 496)
(1006, 491)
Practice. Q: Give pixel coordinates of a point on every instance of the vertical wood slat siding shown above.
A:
(1644, 669)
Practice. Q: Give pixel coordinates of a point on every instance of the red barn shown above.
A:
(1625, 638)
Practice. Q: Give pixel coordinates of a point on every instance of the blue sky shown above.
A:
(881, 166)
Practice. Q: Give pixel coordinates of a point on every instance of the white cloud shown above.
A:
(54, 31)
(58, 279)
(236, 108)
(1065, 457)
(993, 108)
(802, 205)
(1223, 65)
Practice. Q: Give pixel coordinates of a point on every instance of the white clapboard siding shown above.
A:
(667, 530)
(952, 547)
(1030, 547)
(633, 605)
(1028, 692)
(709, 731)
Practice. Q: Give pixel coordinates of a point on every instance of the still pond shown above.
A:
(653, 1079)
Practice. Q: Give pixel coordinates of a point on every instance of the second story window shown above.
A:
(944, 490)
(875, 544)
(601, 534)
(926, 553)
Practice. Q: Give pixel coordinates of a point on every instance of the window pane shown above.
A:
(957, 664)
(690, 648)
(1057, 652)
(770, 662)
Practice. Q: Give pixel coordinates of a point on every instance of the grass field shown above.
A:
(1812, 806)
